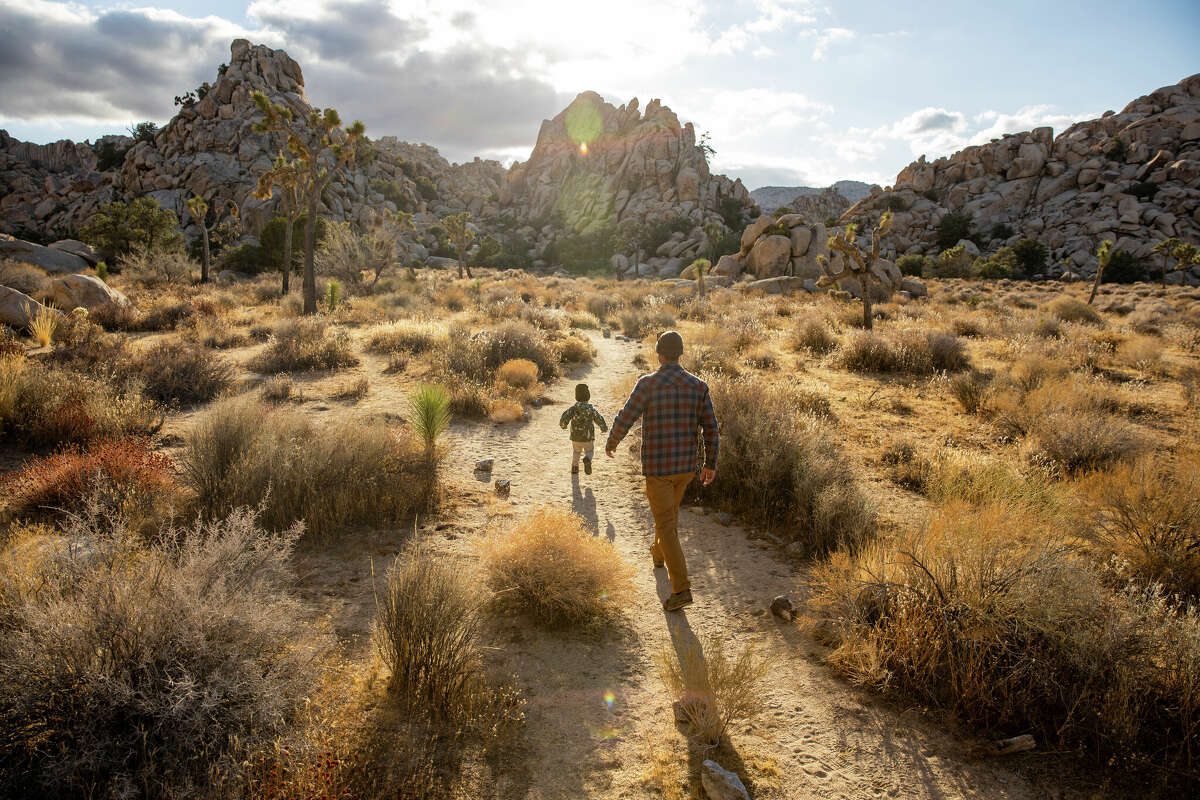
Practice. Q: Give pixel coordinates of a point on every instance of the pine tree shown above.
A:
(320, 148)
(198, 207)
(857, 263)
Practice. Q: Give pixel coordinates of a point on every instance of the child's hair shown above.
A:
(582, 392)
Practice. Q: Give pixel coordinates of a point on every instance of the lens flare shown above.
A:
(609, 699)
(583, 148)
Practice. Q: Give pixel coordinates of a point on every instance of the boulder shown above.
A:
(78, 248)
(782, 284)
(47, 258)
(85, 291)
(792, 220)
(18, 310)
(440, 262)
(914, 287)
(801, 238)
(729, 265)
(770, 256)
(721, 784)
(754, 230)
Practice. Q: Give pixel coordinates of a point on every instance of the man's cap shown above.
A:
(582, 392)
(670, 345)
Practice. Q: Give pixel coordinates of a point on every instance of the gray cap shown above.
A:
(670, 345)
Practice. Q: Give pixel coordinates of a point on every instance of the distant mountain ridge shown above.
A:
(770, 198)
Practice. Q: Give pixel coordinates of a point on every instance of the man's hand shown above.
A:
(707, 475)
(608, 453)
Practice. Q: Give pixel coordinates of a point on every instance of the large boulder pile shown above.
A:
(599, 168)
(210, 148)
(1132, 177)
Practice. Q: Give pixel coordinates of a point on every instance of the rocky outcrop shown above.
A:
(210, 148)
(19, 310)
(771, 198)
(599, 170)
(51, 259)
(1132, 177)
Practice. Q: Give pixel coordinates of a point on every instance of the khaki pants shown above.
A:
(586, 448)
(664, 493)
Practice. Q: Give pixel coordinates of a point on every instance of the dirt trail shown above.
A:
(817, 737)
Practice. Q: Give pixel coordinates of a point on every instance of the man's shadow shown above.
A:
(698, 682)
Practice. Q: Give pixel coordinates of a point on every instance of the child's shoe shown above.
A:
(587, 466)
(574, 470)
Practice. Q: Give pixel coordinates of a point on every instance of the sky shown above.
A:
(791, 92)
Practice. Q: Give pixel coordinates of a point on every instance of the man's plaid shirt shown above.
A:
(672, 403)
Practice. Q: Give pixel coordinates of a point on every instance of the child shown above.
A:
(583, 433)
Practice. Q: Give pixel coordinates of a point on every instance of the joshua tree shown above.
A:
(285, 175)
(320, 148)
(1166, 248)
(1104, 255)
(858, 263)
(1186, 255)
(702, 266)
(461, 236)
(197, 206)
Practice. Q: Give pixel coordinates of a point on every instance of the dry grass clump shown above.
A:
(782, 467)
(970, 389)
(1070, 309)
(478, 356)
(243, 453)
(638, 323)
(44, 406)
(504, 410)
(814, 335)
(575, 349)
(181, 372)
(405, 336)
(988, 613)
(907, 350)
(550, 566)
(714, 685)
(584, 320)
(468, 399)
(125, 474)
(520, 373)
(134, 670)
(25, 278)
(427, 630)
(278, 388)
(43, 325)
(304, 344)
(353, 391)
(1147, 517)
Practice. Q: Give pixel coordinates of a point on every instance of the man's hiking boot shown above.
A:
(678, 600)
(587, 466)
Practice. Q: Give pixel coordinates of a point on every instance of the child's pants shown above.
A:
(587, 448)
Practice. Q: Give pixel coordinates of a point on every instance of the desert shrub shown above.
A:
(242, 453)
(714, 685)
(468, 398)
(638, 323)
(156, 266)
(305, 344)
(25, 278)
(126, 474)
(953, 262)
(518, 340)
(906, 467)
(583, 320)
(182, 372)
(354, 390)
(120, 228)
(549, 565)
(519, 372)
(1069, 309)
(405, 336)
(970, 325)
(987, 613)
(781, 467)
(815, 336)
(908, 350)
(914, 264)
(1123, 267)
(504, 409)
(427, 630)
(953, 228)
(602, 305)
(44, 406)
(130, 670)
(1001, 264)
(278, 388)
(575, 350)
(1031, 256)
(970, 389)
(1147, 516)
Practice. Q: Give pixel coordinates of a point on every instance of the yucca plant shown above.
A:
(331, 296)
(430, 407)
(42, 326)
(702, 265)
(1104, 255)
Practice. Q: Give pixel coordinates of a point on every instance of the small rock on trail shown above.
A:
(721, 784)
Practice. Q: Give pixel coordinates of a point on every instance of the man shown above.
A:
(672, 403)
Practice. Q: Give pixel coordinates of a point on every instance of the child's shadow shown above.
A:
(584, 504)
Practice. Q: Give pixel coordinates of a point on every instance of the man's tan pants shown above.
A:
(664, 493)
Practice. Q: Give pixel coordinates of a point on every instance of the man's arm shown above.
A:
(712, 439)
(628, 415)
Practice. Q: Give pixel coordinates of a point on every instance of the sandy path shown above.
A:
(817, 737)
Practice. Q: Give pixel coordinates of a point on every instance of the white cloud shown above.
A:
(827, 38)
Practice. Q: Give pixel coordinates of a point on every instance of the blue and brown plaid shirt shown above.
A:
(672, 403)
